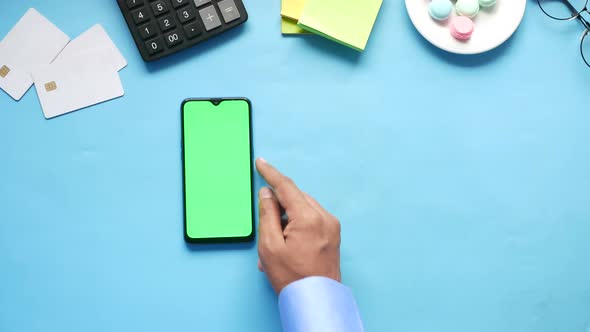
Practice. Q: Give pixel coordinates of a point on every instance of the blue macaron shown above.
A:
(440, 10)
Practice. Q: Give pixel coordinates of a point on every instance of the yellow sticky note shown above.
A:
(289, 27)
(292, 8)
(348, 22)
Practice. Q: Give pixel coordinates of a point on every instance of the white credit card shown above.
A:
(32, 42)
(95, 39)
(78, 83)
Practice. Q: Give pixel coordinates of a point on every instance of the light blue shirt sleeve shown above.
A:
(318, 304)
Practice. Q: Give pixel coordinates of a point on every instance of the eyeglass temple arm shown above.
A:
(575, 12)
(570, 6)
(585, 23)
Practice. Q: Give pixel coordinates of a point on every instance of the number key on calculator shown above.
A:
(164, 27)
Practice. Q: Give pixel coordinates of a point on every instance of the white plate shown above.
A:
(493, 26)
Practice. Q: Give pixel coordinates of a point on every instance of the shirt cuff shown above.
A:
(319, 304)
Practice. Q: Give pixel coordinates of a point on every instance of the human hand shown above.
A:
(308, 246)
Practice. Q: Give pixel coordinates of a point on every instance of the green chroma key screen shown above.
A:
(217, 170)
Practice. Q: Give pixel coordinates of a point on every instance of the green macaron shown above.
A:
(469, 8)
(487, 3)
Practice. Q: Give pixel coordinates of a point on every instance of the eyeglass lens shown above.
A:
(563, 9)
(585, 47)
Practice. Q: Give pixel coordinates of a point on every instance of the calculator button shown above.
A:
(200, 3)
(140, 16)
(228, 10)
(166, 23)
(159, 8)
(192, 30)
(210, 18)
(134, 3)
(179, 3)
(186, 14)
(173, 38)
(148, 31)
(155, 46)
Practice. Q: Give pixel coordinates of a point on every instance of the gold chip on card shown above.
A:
(51, 86)
(4, 71)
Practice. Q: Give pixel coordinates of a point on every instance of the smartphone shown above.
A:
(217, 169)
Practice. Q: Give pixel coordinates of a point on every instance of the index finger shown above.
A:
(289, 196)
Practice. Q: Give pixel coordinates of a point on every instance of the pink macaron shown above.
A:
(461, 27)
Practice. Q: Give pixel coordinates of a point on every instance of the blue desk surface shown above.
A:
(461, 182)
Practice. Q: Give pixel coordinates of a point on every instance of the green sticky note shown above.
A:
(290, 27)
(348, 22)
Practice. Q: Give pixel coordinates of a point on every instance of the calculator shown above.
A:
(164, 27)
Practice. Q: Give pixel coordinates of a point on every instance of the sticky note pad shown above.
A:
(290, 27)
(292, 8)
(348, 22)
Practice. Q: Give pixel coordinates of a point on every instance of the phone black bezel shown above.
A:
(251, 236)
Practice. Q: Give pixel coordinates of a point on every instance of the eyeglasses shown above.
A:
(566, 10)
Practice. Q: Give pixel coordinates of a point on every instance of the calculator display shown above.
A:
(217, 170)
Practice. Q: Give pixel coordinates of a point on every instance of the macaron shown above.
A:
(440, 10)
(461, 27)
(469, 8)
(487, 3)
